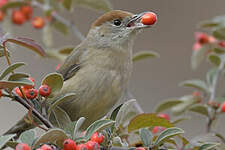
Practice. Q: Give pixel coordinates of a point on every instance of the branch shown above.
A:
(56, 16)
(46, 122)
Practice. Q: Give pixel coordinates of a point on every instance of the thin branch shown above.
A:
(56, 16)
(46, 122)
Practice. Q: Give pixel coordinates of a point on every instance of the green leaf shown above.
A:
(61, 117)
(10, 69)
(219, 33)
(5, 138)
(198, 84)
(188, 101)
(52, 136)
(67, 4)
(146, 137)
(47, 36)
(13, 4)
(59, 101)
(167, 105)
(168, 133)
(79, 123)
(208, 146)
(218, 50)
(55, 81)
(201, 109)
(210, 75)
(98, 126)
(115, 112)
(16, 76)
(28, 43)
(126, 113)
(27, 137)
(199, 55)
(12, 144)
(13, 84)
(2, 53)
(144, 55)
(66, 50)
(60, 27)
(148, 120)
(180, 119)
(101, 5)
(214, 59)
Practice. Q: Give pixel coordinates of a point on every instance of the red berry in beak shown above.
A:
(149, 18)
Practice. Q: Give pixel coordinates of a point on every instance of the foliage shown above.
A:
(150, 130)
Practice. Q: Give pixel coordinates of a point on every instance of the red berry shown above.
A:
(46, 147)
(44, 90)
(69, 144)
(82, 147)
(202, 38)
(1, 15)
(92, 145)
(165, 116)
(149, 18)
(3, 2)
(22, 146)
(38, 22)
(221, 43)
(197, 46)
(31, 93)
(18, 92)
(97, 137)
(27, 11)
(18, 17)
(157, 129)
(140, 148)
(30, 86)
(58, 66)
(223, 107)
(0, 93)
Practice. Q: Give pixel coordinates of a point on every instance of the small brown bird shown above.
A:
(98, 69)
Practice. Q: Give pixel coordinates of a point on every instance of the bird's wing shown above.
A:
(72, 64)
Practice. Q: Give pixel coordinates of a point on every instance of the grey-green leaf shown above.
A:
(146, 137)
(97, 126)
(199, 84)
(55, 81)
(5, 138)
(208, 146)
(13, 84)
(61, 117)
(201, 109)
(16, 76)
(59, 101)
(52, 136)
(166, 105)
(10, 69)
(168, 133)
(145, 54)
(79, 123)
(27, 137)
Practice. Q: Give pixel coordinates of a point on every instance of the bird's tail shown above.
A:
(19, 127)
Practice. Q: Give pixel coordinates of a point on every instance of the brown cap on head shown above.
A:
(112, 15)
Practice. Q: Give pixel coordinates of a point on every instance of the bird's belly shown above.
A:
(96, 93)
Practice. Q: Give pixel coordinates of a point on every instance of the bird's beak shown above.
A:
(135, 21)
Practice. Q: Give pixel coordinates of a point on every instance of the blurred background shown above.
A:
(153, 80)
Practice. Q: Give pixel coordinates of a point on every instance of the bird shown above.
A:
(99, 68)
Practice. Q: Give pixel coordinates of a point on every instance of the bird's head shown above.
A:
(116, 28)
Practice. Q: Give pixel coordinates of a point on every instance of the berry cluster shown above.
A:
(31, 93)
(23, 14)
(203, 38)
(69, 144)
(157, 129)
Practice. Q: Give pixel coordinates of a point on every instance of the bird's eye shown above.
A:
(117, 22)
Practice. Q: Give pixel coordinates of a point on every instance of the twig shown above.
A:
(46, 122)
(56, 16)
(212, 112)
